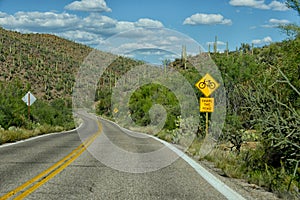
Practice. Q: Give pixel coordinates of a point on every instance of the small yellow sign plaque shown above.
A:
(206, 104)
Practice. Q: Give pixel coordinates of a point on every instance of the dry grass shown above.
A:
(16, 134)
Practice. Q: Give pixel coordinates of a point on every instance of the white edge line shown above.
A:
(210, 178)
(36, 137)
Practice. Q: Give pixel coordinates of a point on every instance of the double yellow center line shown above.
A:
(31, 185)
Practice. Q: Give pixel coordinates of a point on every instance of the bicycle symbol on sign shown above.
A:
(210, 84)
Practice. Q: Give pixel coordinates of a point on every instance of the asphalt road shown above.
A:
(100, 171)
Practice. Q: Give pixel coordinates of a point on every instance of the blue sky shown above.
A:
(93, 21)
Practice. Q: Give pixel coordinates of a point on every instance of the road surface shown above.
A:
(59, 166)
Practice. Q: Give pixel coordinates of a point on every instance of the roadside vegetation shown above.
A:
(261, 136)
(45, 117)
(262, 130)
(45, 65)
(260, 141)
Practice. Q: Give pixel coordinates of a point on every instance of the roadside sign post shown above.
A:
(29, 99)
(207, 85)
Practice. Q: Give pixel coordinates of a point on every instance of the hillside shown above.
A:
(47, 66)
(46, 62)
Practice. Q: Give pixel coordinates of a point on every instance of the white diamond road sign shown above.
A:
(29, 99)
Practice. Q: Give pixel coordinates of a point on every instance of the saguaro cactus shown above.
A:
(227, 49)
(184, 56)
(216, 44)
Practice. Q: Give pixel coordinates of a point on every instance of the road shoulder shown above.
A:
(247, 190)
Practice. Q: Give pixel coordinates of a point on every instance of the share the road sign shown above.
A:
(207, 85)
(206, 104)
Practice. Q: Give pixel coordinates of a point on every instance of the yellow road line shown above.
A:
(44, 173)
(53, 170)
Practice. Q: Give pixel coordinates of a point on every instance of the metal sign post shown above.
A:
(29, 99)
(28, 96)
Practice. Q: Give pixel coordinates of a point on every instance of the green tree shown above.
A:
(292, 30)
(294, 4)
(12, 108)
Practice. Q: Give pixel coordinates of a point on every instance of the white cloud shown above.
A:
(80, 35)
(152, 52)
(100, 24)
(39, 20)
(131, 46)
(145, 22)
(173, 38)
(89, 6)
(273, 23)
(267, 39)
(88, 30)
(207, 19)
(2, 14)
(124, 26)
(279, 21)
(276, 5)
(260, 4)
(218, 43)
(141, 38)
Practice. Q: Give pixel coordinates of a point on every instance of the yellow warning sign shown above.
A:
(207, 85)
(116, 110)
(206, 104)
